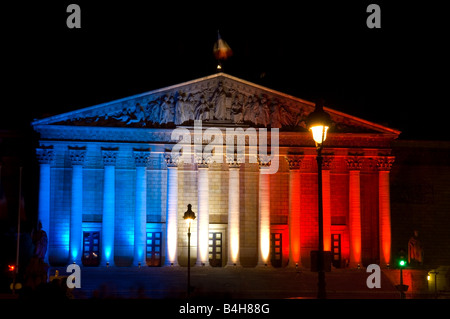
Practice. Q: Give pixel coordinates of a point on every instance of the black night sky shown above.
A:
(396, 75)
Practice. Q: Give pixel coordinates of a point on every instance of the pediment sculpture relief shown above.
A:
(218, 105)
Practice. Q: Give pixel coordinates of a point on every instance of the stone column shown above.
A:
(171, 212)
(45, 158)
(264, 214)
(77, 156)
(140, 216)
(294, 210)
(233, 214)
(326, 197)
(354, 196)
(109, 207)
(203, 214)
(384, 165)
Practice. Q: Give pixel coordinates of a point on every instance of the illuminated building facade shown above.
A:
(112, 193)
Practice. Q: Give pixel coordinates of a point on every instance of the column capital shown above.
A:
(203, 161)
(263, 161)
(294, 161)
(354, 163)
(326, 161)
(384, 163)
(141, 157)
(233, 161)
(171, 160)
(77, 155)
(45, 155)
(109, 156)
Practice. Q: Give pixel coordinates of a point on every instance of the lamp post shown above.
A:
(318, 122)
(189, 217)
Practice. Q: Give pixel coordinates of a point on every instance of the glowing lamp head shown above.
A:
(402, 263)
(189, 215)
(318, 122)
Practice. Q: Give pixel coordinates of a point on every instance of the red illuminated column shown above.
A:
(384, 165)
(326, 197)
(354, 166)
(294, 210)
(264, 216)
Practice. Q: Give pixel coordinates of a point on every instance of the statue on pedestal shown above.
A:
(415, 250)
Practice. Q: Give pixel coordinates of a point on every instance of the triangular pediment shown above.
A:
(219, 100)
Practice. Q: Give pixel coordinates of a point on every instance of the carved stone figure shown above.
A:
(248, 109)
(40, 242)
(415, 250)
(264, 113)
(219, 100)
(167, 110)
(236, 110)
(154, 111)
(202, 110)
(138, 115)
(180, 111)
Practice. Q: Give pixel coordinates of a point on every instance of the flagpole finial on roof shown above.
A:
(222, 51)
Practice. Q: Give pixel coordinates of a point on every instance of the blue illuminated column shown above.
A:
(233, 214)
(45, 157)
(203, 215)
(264, 214)
(109, 202)
(140, 216)
(77, 156)
(171, 212)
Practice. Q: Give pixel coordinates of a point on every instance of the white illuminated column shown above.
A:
(203, 216)
(233, 215)
(140, 216)
(354, 196)
(264, 216)
(76, 213)
(109, 203)
(171, 213)
(45, 157)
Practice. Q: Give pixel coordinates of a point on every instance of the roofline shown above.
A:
(54, 118)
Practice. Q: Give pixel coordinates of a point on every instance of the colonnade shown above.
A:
(77, 157)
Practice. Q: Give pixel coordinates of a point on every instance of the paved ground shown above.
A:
(219, 283)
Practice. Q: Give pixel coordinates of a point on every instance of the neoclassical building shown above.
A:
(113, 191)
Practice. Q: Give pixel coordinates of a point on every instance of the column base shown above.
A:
(174, 264)
(200, 264)
(294, 265)
(107, 264)
(355, 265)
(233, 265)
(263, 265)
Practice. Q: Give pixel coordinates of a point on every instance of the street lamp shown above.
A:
(189, 217)
(318, 122)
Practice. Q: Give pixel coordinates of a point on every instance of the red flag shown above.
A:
(222, 50)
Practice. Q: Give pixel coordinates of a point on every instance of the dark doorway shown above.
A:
(215, 249)
(336, 250)
(276, 249)
(153, 249)
(91, 248)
